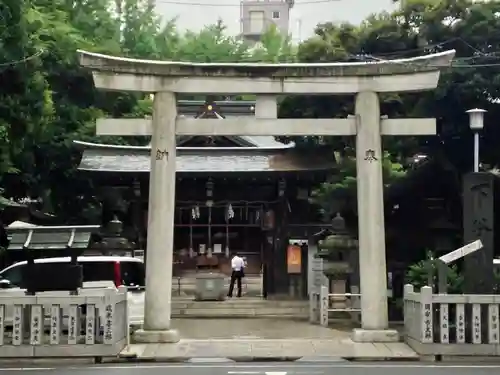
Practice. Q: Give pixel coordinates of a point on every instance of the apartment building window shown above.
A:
(276, 15)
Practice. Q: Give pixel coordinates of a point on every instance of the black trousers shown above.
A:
(236, 276)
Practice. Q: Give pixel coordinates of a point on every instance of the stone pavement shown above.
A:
(258, 349)
(263, 339)
(256, 329)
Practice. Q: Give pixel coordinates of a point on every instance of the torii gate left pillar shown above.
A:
(267, 81)
(161, 209)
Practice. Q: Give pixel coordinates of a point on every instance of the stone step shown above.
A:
(192, 286)
(227, 280)
(232, 308)
(233, 303)
(236, 303)
(251, 287)
(231, 312)
(190, 293)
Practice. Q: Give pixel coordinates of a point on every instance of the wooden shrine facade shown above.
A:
(241, 194)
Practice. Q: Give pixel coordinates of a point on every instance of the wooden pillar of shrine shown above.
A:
(280, 273)
(268, 227)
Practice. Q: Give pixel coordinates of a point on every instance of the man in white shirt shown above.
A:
(237, 267)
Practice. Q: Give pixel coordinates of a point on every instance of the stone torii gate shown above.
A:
(366, 80)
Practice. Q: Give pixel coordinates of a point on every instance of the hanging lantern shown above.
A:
(210, 188)
(281, 187)
(227, 242)
(230, 212)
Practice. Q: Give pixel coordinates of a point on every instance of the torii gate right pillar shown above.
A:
(371, 228)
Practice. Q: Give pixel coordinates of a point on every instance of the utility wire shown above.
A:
(369, 58)
(21, 61)
(478, 53)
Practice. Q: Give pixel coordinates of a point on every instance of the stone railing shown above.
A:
(93, 323)
(451, 324)
(322, 304)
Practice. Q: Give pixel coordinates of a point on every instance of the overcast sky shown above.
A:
(305, 15)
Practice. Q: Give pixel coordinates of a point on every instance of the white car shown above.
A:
(98, 271)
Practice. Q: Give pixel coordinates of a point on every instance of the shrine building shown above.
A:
(244, 194)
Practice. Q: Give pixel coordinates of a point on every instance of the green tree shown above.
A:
(47, 100)
(338, 193)
(273, 48)
(347, 43)
(418, 27)
(26, 105)
(211, 44)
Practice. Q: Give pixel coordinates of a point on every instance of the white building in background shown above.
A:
(257, 16)
(303, 16)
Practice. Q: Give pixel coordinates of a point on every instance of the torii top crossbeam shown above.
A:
(411, 74)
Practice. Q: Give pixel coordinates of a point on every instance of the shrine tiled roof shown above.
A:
(228, 108)
(136, 159)
(252, 141)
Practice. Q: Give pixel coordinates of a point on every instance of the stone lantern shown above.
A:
(113, 242)
(444, 235)
(339, 251)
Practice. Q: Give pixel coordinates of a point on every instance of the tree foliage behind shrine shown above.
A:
(418, 27)
(47, 101)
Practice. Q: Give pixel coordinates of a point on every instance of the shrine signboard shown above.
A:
(461, 252)
(451, 257)
(294, 259)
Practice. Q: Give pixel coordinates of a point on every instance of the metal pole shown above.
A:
(476, 151)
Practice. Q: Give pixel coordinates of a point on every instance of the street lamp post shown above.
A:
(476, 123)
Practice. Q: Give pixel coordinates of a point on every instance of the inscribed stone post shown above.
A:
(478, 213)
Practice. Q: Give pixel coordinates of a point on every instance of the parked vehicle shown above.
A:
(98, 271)
(125, 271)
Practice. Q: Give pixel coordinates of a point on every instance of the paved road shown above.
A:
(313, 368)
